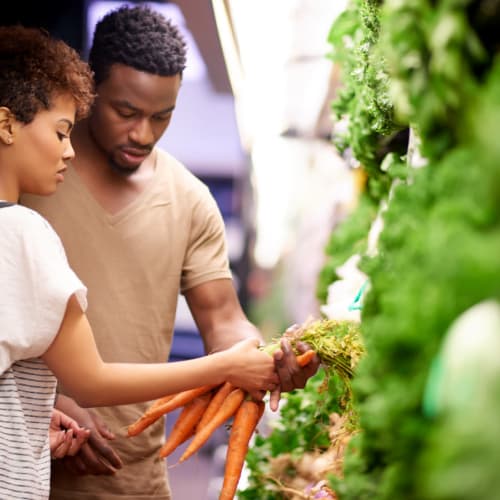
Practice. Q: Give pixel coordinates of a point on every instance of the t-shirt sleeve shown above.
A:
(206, 257)
(38, 284)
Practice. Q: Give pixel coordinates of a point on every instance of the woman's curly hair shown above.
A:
(35, 68)
(140, 38)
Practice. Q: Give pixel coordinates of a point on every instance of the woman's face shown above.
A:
(42, 148)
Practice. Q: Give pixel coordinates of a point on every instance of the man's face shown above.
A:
(130, 114)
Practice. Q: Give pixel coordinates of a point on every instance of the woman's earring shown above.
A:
(9, 140)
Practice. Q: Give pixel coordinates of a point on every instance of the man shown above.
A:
(138, 229)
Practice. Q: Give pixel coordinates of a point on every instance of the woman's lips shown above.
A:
(60, 174)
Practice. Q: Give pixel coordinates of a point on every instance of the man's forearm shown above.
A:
(227, 334)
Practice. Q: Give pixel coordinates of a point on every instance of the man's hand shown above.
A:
(291, 375)
(95, 456)
(66, 437)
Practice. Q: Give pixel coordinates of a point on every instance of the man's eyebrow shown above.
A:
(127, 104)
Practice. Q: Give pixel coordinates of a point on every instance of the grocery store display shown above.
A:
(429, 72)
(206, 408)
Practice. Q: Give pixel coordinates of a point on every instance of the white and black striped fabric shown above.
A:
(36, 283)
(27, 391)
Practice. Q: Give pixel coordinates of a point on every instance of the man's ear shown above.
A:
(6, 125)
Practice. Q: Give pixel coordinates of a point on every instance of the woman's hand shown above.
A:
(249, 367)
(66, 437)
(96, 456)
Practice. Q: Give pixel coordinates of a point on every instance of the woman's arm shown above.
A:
(75, 361)
(222, 322)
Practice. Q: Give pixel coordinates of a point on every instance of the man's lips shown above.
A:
(133, 156)
(136, 152)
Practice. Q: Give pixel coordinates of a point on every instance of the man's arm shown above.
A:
(218, 315)
(221, 321)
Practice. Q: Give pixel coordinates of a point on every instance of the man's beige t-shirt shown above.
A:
(134, 264)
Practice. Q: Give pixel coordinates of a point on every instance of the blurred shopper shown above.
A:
(139, 228)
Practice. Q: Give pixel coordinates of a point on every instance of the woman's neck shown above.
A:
(8, 193)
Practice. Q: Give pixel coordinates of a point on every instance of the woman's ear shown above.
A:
(6, 125)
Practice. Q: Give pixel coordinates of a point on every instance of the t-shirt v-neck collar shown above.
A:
(115, 218)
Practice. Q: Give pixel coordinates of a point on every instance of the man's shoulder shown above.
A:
(175, 171)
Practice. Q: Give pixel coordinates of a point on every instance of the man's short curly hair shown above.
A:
(140, 38)
(35, 68)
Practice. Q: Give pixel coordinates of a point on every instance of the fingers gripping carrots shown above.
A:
(305, 358)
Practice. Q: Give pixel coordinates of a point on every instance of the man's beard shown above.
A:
(123, 171)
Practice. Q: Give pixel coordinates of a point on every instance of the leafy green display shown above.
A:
(349, 237)
(303, 425)
(462, 455)
(438, 257)
(364, 99)
(438, 253)
(372, 132)
(431, 53)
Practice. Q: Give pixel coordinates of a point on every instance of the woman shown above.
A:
(44, 333)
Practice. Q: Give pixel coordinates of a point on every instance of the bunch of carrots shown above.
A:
(206, 408)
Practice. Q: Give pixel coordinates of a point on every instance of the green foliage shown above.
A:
(437, 254)
(348, 238)
(372, 135)
(438, 257)
(351, 235)
(364, 99)
(462, 454)
(302, 426)
(431, 51)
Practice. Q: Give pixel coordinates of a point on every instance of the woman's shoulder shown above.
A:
(25, 220)
(24, 214)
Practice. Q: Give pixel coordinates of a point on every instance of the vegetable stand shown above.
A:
(429, 72)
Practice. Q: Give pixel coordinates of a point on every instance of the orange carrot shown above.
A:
(226, 410)
(185, 424)
(160, 401)
(245, 422)
(154, 412)
(140, 424)
(305, 358)
(216, 402)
